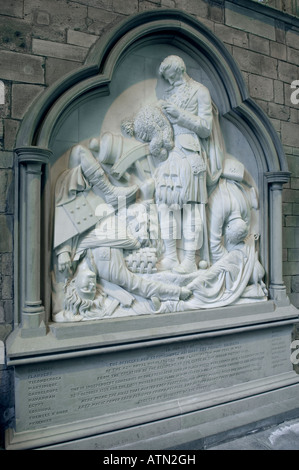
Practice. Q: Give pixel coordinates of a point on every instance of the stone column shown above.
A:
(276, 180)
(32, 159)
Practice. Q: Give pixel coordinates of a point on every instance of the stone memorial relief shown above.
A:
(166, 223)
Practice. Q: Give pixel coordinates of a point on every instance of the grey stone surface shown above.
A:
(278, 50)
(22, 97)
(59, 50)
(287, 73)
(10, 132)
(80, 39)
(6, 191)
(231, 35)
(12, 8)
(99, 20)
(57, 68)
(289, 133)
(292, 38)
(6, 159)
(21, 67)
(261, 87)
(254, 62)
(15, 35)
(278, 92)
(293, 55)
(258, 44)
(237, 18)
(61, 16)
(279, 112)
(6, 230)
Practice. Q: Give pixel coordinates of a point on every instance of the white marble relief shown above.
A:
(165, 226)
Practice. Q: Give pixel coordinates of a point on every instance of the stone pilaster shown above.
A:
(32, 160)
(276, 180)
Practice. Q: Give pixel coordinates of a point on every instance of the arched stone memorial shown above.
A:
(150, 305)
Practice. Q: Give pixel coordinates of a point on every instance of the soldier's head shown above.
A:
(172, 69)
(235, 231)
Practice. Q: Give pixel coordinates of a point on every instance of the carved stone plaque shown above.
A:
(108, 384)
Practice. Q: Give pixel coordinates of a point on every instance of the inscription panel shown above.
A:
(70, 390)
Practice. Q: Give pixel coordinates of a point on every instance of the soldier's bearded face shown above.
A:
(173, 75)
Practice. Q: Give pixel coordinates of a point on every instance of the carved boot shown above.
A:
(100, 180)
(188, 264)
(170, 259)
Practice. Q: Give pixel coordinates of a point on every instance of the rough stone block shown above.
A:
(168, 3)
(290, 268)
(2, 313)
(295, 279)
(287, 281)
(287, 208)
(10, 133)
(43, 18)
(7, 287)
(276, 124)
(294, 115)
(6, 191)
(105, 4)
(278, 111)
(258, 44)
(296, 209)
(12, 8)
(293, 255)
(126, 8)
(216, 13)
(289, 195)
(293, 55)
(292, 221)
(6, 160)
(290, 237)
(278, 92)
(58, 50)
(101, 19)
(195, 7)
(294, 298)
(21, 67)
(8, 310)
(255, 63)
(22, 97)
(6, 230)
(295, 184)
(287, 72)
(261, 87)
(278, 50)
(263, 104)
(58, 16)
(7, 263)
(80, 39)
(231, 35)
(290, 134)
(238, 17)
(57, 68)
(280, 32)
(15, 34)
(293, 163)
(292, 38)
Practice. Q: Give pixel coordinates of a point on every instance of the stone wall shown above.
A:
(41, 40)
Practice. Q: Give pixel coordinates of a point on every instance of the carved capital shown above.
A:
(277, 177)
